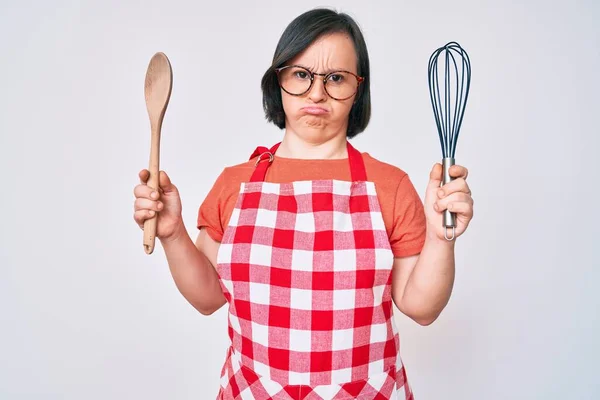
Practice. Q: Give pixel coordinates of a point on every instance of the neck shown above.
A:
(293, 146)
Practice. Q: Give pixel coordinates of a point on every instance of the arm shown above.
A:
(192, 269)
(422, 284)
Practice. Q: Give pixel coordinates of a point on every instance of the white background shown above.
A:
(86, 314)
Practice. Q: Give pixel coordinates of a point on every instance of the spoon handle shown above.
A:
(150, 223)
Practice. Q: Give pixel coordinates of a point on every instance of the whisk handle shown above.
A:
(449, 218)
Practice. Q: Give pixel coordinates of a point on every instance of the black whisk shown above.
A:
(449, 110)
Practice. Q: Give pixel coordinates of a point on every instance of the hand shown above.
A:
(454, 196)
(165, 202)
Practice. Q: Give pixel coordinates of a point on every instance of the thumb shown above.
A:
(165, 183)
(435, 176)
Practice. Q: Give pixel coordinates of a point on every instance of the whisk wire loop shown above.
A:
(449, 108)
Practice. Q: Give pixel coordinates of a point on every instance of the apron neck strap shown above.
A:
(265, 155)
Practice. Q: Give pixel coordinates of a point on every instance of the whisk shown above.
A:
(449, 110)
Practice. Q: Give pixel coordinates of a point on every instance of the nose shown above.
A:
(317, 92)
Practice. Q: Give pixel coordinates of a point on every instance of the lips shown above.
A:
(314, 110)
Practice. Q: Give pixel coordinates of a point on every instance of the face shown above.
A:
(315, 116)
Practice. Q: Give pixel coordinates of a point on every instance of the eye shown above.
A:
(336, 78)
(301, 74)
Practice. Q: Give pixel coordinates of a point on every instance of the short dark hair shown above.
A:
(299, 35)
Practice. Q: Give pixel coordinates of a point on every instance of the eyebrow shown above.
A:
(326, 71)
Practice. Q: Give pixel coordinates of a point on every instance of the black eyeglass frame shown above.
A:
(359, 80)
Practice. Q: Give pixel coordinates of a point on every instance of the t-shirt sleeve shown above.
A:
(409, 228)
(210, 213)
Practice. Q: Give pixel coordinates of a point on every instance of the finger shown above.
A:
(144, 175)
(458, 197)
(164, 182)
(458, 171)
(460, 207)
(145, 191)
(141, 216)
(435, 176)
(146, 204)
(457, 185)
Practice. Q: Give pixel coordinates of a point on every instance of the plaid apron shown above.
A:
(306, 268)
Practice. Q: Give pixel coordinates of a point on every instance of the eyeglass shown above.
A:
(297, 80)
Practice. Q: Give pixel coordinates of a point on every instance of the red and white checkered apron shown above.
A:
(306, 268)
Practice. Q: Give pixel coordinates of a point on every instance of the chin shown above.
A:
(314, 134)
(312, 121)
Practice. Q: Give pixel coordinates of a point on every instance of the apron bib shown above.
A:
(306, 268)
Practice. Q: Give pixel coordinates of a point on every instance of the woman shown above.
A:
(311, 240)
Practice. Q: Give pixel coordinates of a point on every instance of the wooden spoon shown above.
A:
(157, 90)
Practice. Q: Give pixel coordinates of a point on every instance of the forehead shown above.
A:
(329, 52)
